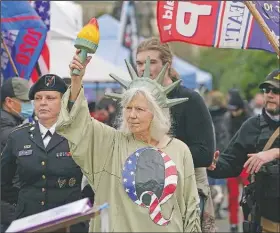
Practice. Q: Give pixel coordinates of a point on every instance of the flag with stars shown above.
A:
(24, 34)
(42, 66)
(170, 178)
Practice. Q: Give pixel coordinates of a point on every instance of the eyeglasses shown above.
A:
(274, 90)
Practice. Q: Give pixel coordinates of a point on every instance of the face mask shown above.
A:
(27, 110)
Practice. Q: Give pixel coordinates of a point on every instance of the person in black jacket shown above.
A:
(245, 150)
(48, 176)
(15, 105)
(191, 120)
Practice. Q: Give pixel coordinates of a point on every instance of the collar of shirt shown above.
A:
(44, 130)
(274, 118)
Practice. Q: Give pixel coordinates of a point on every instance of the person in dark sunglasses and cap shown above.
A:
(271, 89)
(255, 147)
(48, 176)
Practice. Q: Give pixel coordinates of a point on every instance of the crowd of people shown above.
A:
(160, 154)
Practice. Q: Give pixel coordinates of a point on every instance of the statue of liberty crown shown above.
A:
(154, 86)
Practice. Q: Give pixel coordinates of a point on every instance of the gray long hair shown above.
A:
(161, 122)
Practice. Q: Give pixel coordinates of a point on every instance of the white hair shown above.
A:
(161, 122)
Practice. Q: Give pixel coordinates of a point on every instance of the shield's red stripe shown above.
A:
(169, 189)
(158, 217)
(166, 159)
(154, 205)
(170, 171)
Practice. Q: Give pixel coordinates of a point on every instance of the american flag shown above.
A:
(170, 184)
(43, 64)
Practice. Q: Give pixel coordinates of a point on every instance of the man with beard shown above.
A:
(246, 149)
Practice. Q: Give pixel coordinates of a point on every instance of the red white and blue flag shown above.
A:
(24, 33)
(42, 66)
(220, 24)
(145, 183)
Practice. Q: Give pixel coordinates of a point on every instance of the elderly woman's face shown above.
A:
(137, 115)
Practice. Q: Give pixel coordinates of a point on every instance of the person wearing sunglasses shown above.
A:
(246, 150)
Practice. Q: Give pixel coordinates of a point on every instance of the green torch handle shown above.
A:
(82, 55)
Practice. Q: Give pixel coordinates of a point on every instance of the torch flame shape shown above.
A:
(90, 32)
(87, 41)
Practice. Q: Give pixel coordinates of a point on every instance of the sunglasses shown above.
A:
(274, 90)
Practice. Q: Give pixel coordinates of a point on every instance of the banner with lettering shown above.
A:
(24, 33)
(220, 24)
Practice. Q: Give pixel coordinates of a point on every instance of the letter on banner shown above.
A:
(195, 11)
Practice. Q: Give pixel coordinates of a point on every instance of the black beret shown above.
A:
(48, 82)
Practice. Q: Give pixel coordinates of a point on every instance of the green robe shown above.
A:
(101, 152)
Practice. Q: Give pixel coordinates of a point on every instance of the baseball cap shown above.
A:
(273, 79)
(15, 87)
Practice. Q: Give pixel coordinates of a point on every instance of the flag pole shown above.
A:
(275, 44)
(9, 55)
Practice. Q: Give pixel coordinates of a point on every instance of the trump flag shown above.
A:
(219, 24)
(24, 33)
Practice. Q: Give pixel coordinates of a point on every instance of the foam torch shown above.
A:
(87, 41)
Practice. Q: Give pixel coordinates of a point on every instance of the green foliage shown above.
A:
(243, 69)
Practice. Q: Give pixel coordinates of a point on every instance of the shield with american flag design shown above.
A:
(150, 179)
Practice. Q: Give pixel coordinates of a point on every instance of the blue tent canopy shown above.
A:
(201, 77)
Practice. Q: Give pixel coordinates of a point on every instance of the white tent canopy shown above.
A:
(62, 52)
(66, 22)
(66, 19)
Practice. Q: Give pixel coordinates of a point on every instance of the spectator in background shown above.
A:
(91, 108)
(217, 106)
(257, 104)
(237, 112)
(15, 106)
(106, 112)
(237, 115)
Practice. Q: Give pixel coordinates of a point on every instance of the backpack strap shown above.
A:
(272, 139)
